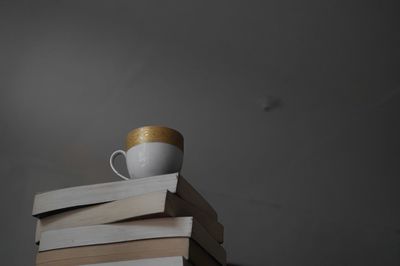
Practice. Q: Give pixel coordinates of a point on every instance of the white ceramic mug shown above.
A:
(150, 151)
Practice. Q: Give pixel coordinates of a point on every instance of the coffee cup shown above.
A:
(150, 151)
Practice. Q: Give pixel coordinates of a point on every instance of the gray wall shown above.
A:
(314, 181)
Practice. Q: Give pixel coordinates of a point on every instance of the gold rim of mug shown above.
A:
(154, 134)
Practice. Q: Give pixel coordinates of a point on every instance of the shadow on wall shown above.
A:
(269, 103)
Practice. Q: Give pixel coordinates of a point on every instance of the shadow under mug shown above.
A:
(150, 151)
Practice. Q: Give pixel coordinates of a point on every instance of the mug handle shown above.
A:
(112, 159)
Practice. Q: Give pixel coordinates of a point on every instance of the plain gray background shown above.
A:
(313, 181)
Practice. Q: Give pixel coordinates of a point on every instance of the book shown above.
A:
(150, 205)
(134, 230)
(51, 202)
(130, 250)
(166, 261)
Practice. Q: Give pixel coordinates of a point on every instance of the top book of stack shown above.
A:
(52, 202)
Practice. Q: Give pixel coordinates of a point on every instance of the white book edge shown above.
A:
(116, 232)
(99, 193)
(130, 231)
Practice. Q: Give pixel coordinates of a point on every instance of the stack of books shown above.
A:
(157, 221)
